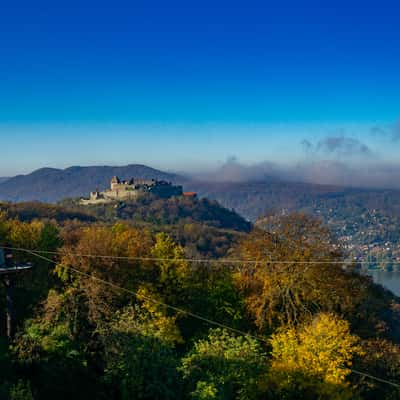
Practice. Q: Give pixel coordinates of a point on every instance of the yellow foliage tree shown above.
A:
(125, 243)
(323, 349)
(26, 235)
(171, 258)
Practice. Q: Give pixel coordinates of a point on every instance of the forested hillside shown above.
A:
(251, 199)
(51, 184)
(254, 199)
(30, 211)
(160, 211)
(117, 307)
(365, 220)
(203, 226)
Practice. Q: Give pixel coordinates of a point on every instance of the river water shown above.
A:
(389, 279)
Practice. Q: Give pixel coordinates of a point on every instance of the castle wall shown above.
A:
(131, 190)
(120, 186)
(118, 194)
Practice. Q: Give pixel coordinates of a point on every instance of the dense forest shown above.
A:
(366, 221)
(254, 199)
(183, 299)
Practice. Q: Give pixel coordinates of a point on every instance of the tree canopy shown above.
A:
(122, 310)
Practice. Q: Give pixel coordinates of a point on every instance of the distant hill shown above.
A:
(3, 180)
(254, 199)
(251, 199)
(51, 185)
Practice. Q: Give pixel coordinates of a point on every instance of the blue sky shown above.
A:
(183, 85)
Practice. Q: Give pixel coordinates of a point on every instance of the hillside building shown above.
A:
(130, 190)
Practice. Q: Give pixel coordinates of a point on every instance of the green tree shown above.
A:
(225, 366)
(21, 391)
(202, 288)
(173, 270)
(55, 350)
(140, 360)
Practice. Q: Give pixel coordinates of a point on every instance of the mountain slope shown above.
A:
(250, 199)
(51, 185)
(161, 212)
(254, 199)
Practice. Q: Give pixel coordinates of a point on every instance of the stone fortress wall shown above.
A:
(130, 190)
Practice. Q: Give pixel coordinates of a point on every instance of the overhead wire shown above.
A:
(180, 310)
(375, 378)
(152, 300)
(198, 260)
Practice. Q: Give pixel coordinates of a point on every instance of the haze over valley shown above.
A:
(365, 221)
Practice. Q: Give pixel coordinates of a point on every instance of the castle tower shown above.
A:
(114, 182)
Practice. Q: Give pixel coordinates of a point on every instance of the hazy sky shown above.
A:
(183, 85)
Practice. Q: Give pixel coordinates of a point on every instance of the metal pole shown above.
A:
(9, 284)
(8, 270)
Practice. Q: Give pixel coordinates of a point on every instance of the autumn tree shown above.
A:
(293, 272)
(113, 255)
(315, 356)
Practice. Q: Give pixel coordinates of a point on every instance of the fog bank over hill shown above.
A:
(371, 174)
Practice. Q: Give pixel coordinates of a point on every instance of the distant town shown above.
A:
(370, 237)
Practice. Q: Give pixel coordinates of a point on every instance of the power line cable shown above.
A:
(139, 295)
(195, 260)
(375, 378)
(189, 313)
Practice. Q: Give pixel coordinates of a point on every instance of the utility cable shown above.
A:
(195, 260)
(375, 378)
(144, 297)
(188, 313)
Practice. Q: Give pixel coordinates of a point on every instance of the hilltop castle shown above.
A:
(130, 190)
